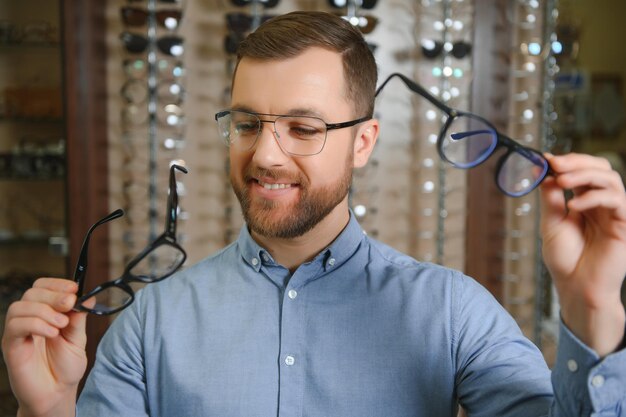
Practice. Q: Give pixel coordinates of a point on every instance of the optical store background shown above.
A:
(81, 132)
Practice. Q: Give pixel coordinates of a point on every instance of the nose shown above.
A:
(267, 150)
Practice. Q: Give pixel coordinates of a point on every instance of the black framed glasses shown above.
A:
(155, 262)
(467, 140)
(296, 135)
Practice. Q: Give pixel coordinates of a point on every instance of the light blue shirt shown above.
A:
(360, 331)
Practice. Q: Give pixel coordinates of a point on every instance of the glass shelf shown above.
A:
(20, 46)
(42, 240)
(42, 120)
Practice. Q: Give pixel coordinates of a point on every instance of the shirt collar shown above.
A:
(338, 252)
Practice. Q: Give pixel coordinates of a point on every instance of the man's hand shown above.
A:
(584, 247)
(44, 348)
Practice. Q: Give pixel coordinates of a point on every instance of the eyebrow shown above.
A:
(298, 111)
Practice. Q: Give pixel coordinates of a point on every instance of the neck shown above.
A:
(291, 253)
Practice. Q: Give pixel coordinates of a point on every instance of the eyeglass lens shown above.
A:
(298, 135)
(467, 141)
(162, 261)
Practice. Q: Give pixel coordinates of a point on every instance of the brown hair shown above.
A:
(288, 35)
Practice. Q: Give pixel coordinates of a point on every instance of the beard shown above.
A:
(274, 219)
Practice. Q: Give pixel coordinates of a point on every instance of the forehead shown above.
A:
(312, 80)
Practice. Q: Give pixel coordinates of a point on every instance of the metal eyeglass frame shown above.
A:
(168, 237)
(502, 140)
(329, 126)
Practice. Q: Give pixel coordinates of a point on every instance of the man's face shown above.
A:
(281, 195)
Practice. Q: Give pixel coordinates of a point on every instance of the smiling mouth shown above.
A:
(275, 186)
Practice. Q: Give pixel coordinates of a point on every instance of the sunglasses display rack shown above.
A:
(439, 194)
(152, 117)
(526, 291)
(240, 23)
(366, 23)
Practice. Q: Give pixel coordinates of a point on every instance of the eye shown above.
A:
(304, 129)
(246, 127)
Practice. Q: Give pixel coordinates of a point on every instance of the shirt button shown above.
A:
(572, 365)
(331, 261)
(292, 294)
(597, 381)
(255, 261)
(290, 360)
(265, 257)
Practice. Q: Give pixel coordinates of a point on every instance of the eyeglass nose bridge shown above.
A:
(274, 132)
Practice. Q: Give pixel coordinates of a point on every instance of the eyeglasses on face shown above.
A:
(467, 140)
(296, 135)
(137, 44)
(157, 261)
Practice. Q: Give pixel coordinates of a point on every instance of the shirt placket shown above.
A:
(292, 363)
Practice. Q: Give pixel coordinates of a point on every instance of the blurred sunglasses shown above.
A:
(366, 24)
(160, 1)
(432, 49)
(362, 4)
(166, 18)
(241, 22)
(167, 69)
(137, 44)
(136, 91)
(268, 4)
(232, 41)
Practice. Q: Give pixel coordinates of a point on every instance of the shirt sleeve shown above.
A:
(583, 384)
(501, 373)
(116, 384)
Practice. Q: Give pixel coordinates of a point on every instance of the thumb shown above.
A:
(75, 332)
(553, 204)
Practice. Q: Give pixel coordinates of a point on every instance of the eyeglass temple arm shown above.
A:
(463, 135)
(416, 88)
(81, 265)
(172, 202)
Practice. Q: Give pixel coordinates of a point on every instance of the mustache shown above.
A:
(256, 172)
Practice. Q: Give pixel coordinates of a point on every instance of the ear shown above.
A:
(366, 138)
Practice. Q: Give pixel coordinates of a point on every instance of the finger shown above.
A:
(575, 161)
(60, 301)
(39, 310)
(19, 328)
(591, 178)
(592, 199)
(75, 331)
(553, 204)
(56, 284)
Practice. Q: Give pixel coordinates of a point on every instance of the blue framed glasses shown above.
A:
(467, 140)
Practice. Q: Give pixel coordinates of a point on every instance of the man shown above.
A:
(304, 315)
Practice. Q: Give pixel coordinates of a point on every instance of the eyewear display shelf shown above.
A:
(33, 228)
(53, 147)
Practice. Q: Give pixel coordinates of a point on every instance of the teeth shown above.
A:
(274, 186)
